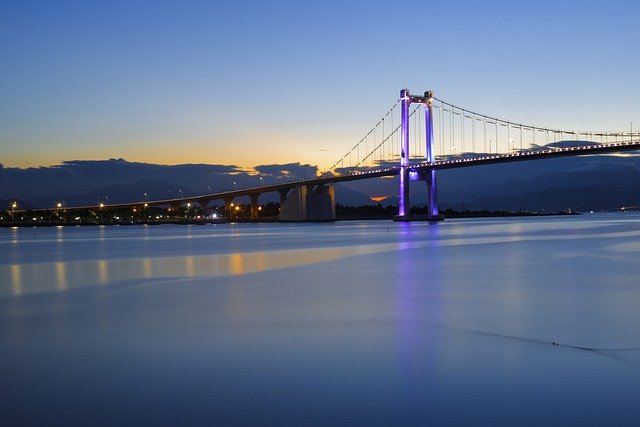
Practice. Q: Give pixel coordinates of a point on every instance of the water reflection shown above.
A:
(103, 271)
(236, 264)
(61, 276)
(28, 278)
(434, 325)
(189, 266)
(147, 270)
(418, 305)
(16, 279)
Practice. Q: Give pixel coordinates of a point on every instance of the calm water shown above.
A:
(352, 323)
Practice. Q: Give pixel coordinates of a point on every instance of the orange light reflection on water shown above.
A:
(36, 277)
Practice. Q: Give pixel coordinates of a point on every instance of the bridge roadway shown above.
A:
(449, 163)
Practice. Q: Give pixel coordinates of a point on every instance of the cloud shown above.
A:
(295, 170)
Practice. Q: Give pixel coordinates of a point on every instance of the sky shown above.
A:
(249, 83)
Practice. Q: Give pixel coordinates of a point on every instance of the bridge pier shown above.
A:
(430, 178)
(255, 208)
(432, 186)
(283, 195)
(432, 197)
(227, 206)
(204, 203)
(309, 203)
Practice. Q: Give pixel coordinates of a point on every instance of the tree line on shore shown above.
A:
(195, 214)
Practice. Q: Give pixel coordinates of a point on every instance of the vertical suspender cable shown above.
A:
(533, 131)
(473, 133)
(484, 140)
(382, 146)
(462, 133)
(441, 128)
(520, 139)
(453, 132)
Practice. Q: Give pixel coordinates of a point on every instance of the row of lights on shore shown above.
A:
(59, 205)
(14, 205)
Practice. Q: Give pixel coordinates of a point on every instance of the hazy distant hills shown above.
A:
(577, 183)
(596, 186)
(144, 189)
(78, 183)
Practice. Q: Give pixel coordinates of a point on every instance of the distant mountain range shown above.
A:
(577, 183)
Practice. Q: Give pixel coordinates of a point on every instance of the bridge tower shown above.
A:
(406, 176)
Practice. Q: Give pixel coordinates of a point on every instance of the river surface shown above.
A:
(520, 321)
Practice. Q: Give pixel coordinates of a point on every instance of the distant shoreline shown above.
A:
(342, 217)
(467, 214)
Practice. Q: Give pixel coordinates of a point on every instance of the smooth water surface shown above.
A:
(521, 321)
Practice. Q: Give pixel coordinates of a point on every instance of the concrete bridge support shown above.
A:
(255, 208)
(432, 198)
(204, 203)
(227, 206)
(309, 203)
(283, 196)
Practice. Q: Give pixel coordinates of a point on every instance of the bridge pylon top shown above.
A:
(426, 99)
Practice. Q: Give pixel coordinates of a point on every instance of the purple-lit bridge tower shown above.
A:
(429, 176)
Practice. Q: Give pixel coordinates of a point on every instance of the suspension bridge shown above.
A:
(415, 138)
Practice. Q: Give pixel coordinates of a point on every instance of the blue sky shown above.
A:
(251, 83)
